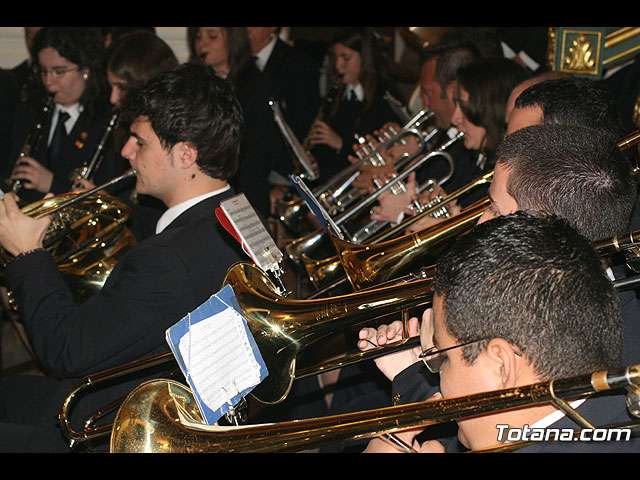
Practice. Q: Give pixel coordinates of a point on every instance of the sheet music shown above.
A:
(318, 210)
(217, 354)
(291, 139)
(253, 234)
(219, 359)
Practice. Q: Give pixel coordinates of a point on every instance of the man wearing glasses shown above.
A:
(542, 143)
(519, 300)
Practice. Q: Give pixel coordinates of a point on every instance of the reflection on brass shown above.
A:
(148, 421)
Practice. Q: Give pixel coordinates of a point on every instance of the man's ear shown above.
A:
(185, 154)
(505, 363)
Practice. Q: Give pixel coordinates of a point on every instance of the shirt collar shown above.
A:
(74, 112)
(174, 212)
(358, 90)
(262, 57)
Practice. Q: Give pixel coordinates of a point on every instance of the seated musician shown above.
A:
(185, 129)
(520, 300)
(480, 95)
(599, 207)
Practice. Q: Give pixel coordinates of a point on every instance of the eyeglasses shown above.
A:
(434, 359)
(56, 72)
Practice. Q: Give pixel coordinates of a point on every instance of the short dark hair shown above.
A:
(574, 101)
(450, 57)
(192, 104)
(576, 173)
(537, 283)
(489, 83)
(84, 47)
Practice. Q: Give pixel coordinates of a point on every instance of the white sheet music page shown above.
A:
(256, 239)
(219, 358)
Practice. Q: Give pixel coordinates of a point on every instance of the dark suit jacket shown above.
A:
(599, 410)
(151, 288)
(262, 148)
(78, 147)
(296, 78)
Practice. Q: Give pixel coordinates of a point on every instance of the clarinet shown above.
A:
(329, 105)
(33, 139)
(89, 167)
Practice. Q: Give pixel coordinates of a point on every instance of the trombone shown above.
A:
(337, 194)
(367, 264)
(331, 272)
(283, 327)
(150, 419)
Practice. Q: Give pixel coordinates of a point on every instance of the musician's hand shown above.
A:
(82, 184)
(392, 364)
(19, 232)
(321, 133)
(33, 174)
(364, 182)
(390, 206)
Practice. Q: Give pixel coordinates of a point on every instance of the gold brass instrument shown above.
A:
(86, 237)
(149, 422)
(331, 271)
(282, 328)
(33, 139)
(337, 193)
(367, 265)
(291, 321)
(90, 166)
(308, 243)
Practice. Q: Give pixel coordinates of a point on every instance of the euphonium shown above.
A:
(33, 139)
(86, 237)
(148, 421)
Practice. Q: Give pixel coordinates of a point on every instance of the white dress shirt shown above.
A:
(74, 112)
(262, 57)
(174, 212)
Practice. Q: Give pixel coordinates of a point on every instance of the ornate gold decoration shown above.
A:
(580, 55)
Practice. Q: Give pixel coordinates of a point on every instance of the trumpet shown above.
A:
(306, 244)
(336, 194)
(149, 420)
(33, 139)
